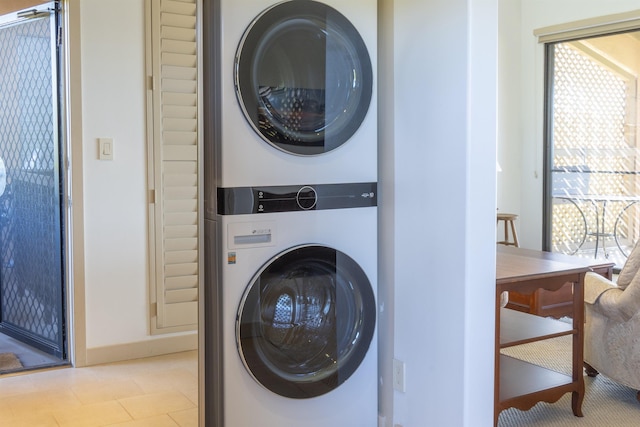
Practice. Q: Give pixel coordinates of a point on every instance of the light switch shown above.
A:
(105, 148)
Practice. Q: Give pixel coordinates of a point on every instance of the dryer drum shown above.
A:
(303, 77)
(306, 321)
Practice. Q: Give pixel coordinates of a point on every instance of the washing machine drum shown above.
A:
(303, 77)
(306, 321)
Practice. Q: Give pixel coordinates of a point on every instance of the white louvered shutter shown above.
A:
(174, 164)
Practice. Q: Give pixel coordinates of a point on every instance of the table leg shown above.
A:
(576, 403)
(496, 363)
(578, 346)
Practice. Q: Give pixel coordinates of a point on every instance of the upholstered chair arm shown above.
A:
(608, 299)
(595, 285)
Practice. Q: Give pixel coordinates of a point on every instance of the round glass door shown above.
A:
(306, 321)
(303, 77)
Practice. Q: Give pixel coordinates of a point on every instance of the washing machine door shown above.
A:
(303, 77)
(306, 321)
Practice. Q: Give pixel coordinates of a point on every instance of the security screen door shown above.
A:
(592, 184)
(32, 307)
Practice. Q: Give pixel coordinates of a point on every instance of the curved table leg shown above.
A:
(576, 402)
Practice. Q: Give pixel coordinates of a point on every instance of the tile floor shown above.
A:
(160, 391)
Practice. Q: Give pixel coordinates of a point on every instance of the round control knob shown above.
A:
(307, 198)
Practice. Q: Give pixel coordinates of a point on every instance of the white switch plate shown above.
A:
(399, 375)
(105, 148)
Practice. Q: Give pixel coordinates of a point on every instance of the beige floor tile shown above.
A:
(102, 391)
(159, 421)
(124, 370)
(188, 418)
(192, 391)
(180, 380)
(154, 404)
(44, 420)
(14, 385)
(54, 379)
(169, 380)
(43, 402)
(155, 392)
(152, 365)
(5, 410)
(93, 415)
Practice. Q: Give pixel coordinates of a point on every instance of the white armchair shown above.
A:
(612, 324)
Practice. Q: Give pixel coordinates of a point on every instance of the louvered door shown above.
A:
(173, 164)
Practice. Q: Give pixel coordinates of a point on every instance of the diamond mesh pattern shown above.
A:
(30, 233)
(591, 110)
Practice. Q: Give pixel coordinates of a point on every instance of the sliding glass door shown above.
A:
(592, 171)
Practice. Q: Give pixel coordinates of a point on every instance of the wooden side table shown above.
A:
(519, 384)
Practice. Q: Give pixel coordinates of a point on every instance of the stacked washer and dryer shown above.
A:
(289, 298)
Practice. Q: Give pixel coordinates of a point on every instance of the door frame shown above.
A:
(72, 124)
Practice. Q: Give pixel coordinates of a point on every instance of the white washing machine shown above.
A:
(297, 98)
(290, 214)
(297, 309)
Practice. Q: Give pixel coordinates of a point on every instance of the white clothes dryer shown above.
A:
(295, 327)
(296, 94)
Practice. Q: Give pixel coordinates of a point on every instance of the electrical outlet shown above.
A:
(399, 375)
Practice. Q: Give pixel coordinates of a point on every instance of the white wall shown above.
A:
(509, 87)
(438, 209)
(524, 65)
(115, 208)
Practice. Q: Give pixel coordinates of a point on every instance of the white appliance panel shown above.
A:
(247, 403)
(247, 160)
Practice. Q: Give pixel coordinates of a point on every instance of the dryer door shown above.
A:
(303, 77)
(306, 321)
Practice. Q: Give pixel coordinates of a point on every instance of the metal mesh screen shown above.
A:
(594, 178)
(31, 295)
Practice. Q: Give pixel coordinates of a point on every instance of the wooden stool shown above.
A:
(509, 222)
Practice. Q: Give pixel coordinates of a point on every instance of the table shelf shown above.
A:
(519, 378)
(520, 328)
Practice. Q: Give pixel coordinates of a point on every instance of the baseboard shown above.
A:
(155, 346)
